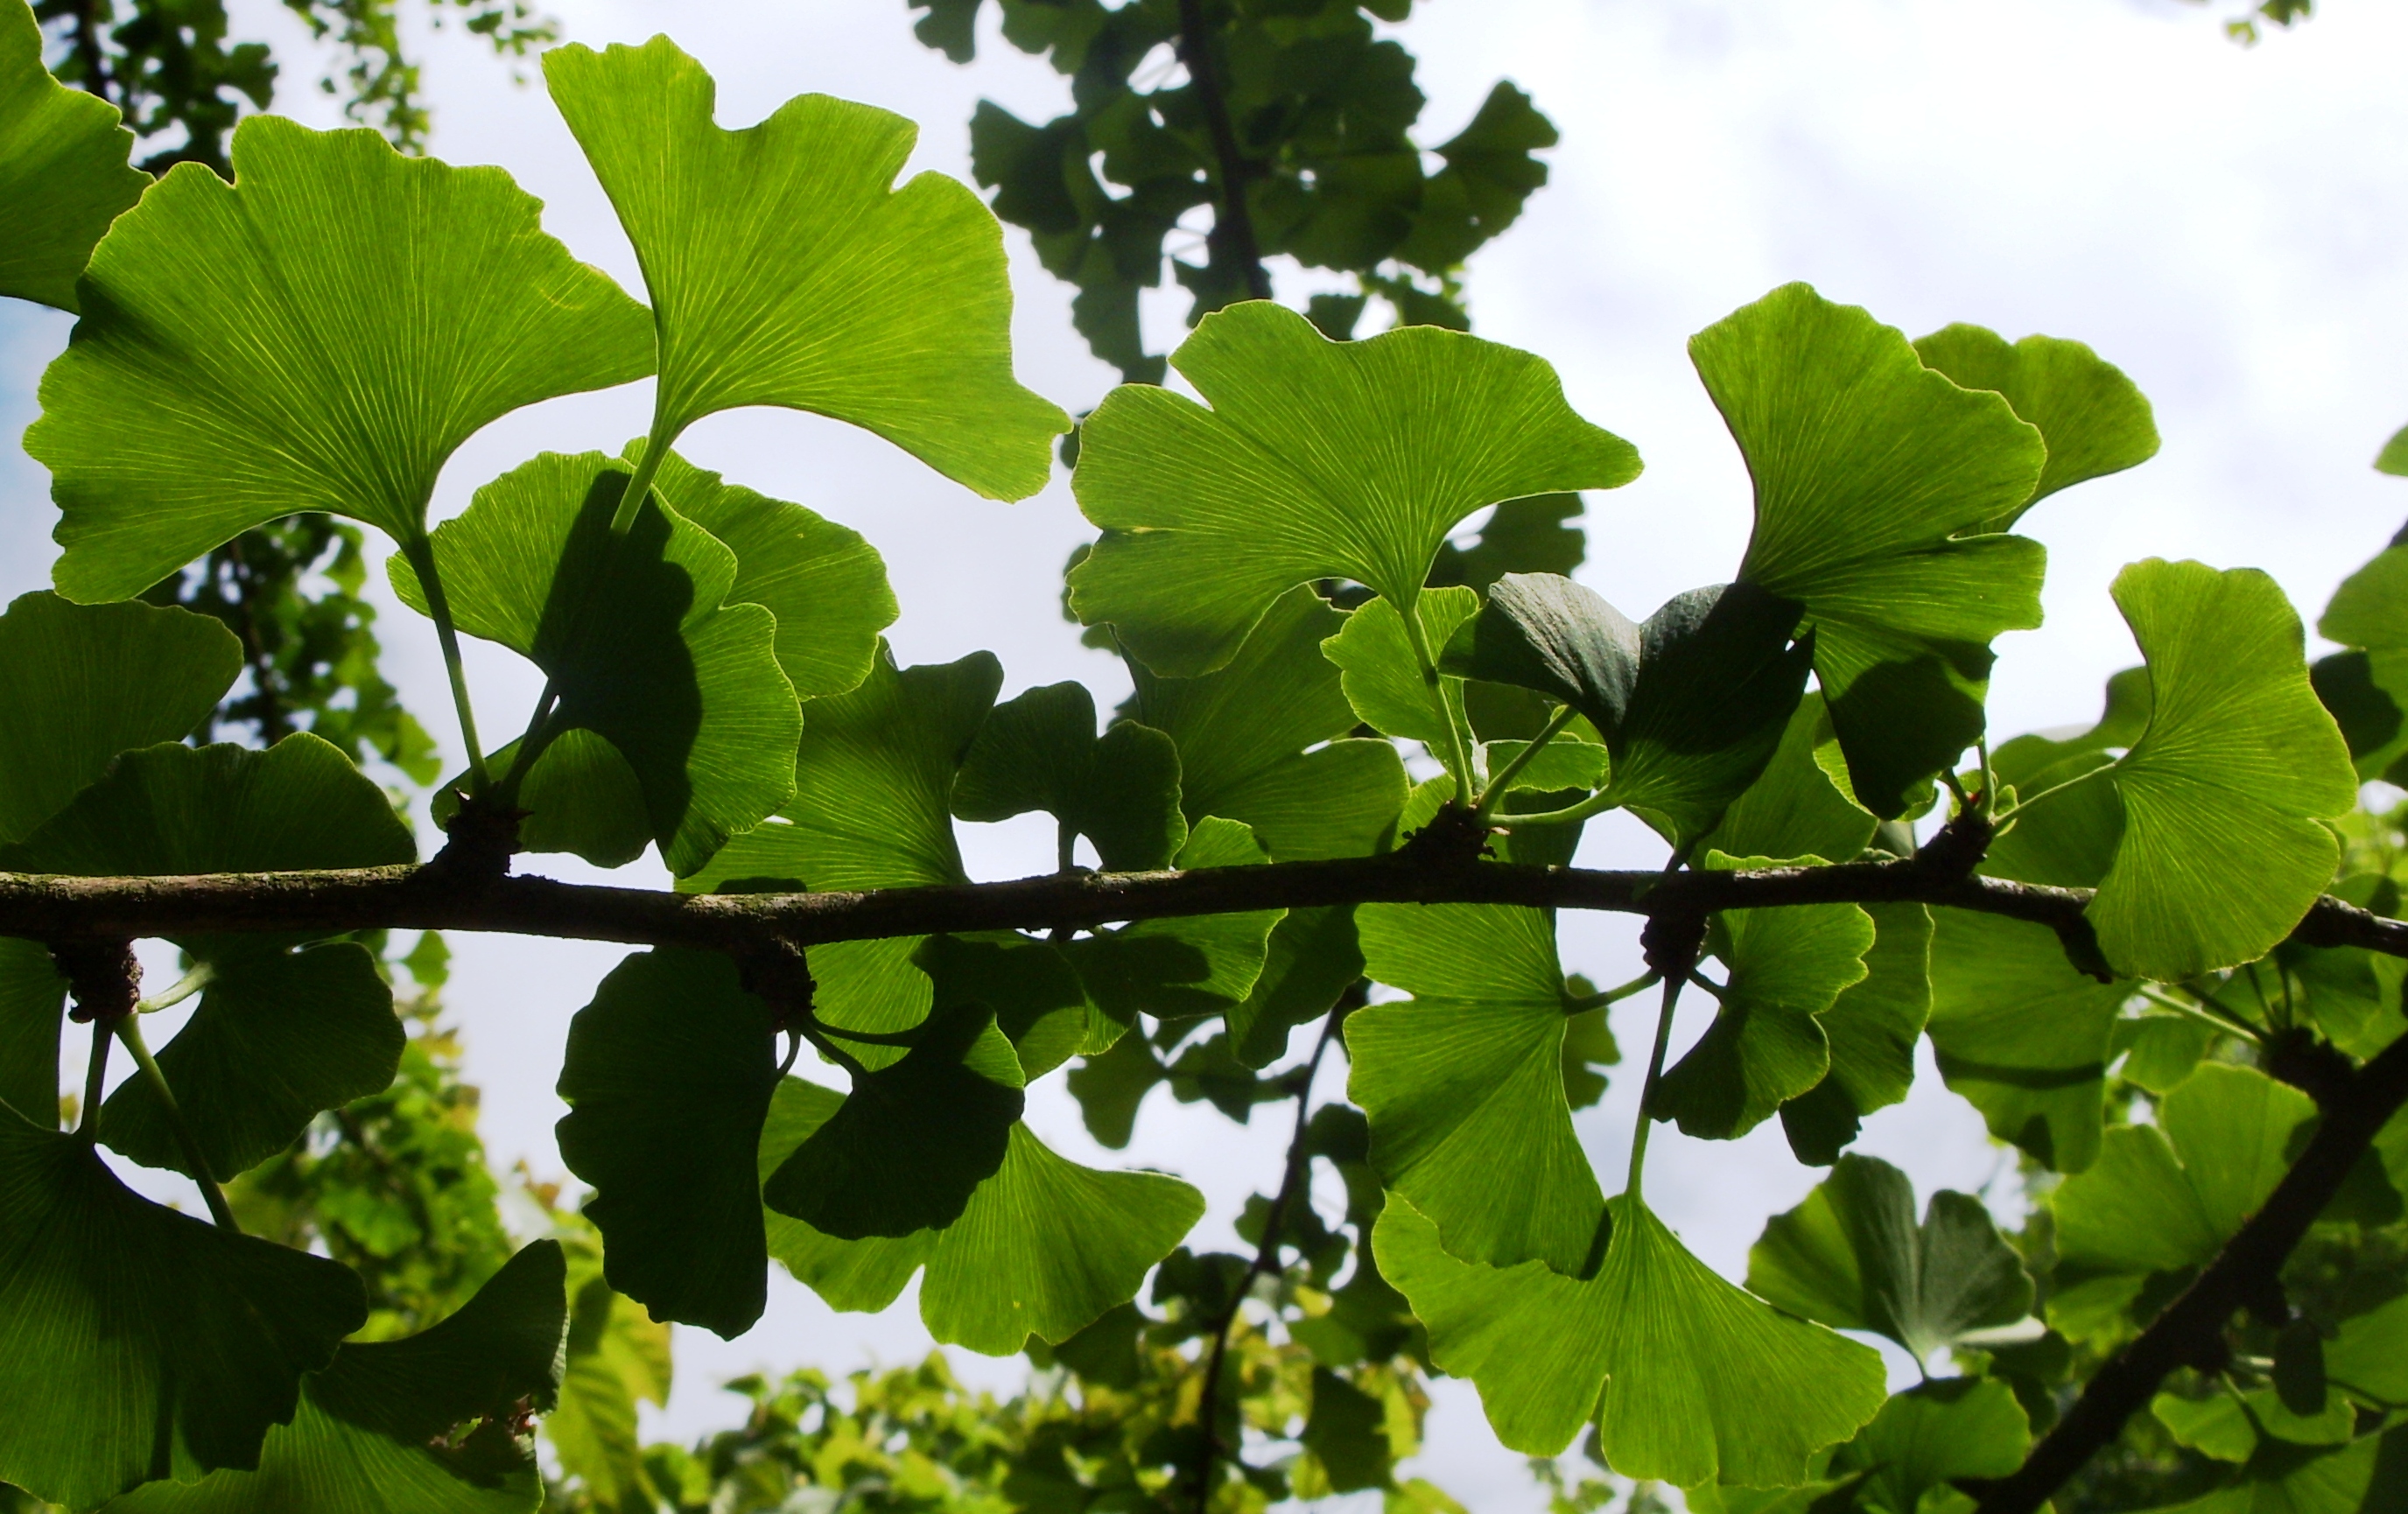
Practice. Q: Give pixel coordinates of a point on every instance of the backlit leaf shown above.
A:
(1041, 751)
(784, 268)
(1871, 1027)
(1379, 676)
(2093, 420)
(64, 176)
(357, 315)
(1317, 459)
(1926, 1439)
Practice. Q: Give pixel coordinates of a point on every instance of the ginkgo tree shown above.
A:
(2164, 902)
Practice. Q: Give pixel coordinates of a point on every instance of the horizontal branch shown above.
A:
(2247, 1272)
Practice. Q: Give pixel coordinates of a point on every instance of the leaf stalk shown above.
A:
(129, 1030)
(1497, 785)
(418, 551)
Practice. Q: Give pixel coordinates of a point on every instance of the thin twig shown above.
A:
(1233, 224)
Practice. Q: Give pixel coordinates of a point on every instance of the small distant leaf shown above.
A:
(1313, 956)
(1243, 732)
(634, 638)
(615, 1357)
(1041, 751)
(1690, 1380)
(2221, 1425)
(2094, 421)
(365, 314)
(1873, 475)
(2166, 1197)
(1347, 1433)
(80, 683)
(136, 1343)
(414, 1426)
(1464, 1083)
(1382, 679)
(1317, 459)
(908, 1146)
(1110, 1086)
(1767, 1045)
(785, 270)
(2222, 852)
(1044, 1247)
(64, 176)
(1926, 1439)
(1851, 1257)
(667, 1076)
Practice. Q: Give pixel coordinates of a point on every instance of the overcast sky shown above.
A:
(2224, 224)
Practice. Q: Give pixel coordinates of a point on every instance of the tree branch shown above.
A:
(1233, 224)
(2190, 1330)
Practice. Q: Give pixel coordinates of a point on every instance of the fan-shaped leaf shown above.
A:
(1041, 751)
(1872, 472)
(1926, 1439)
(136, 1343)
(2093, 420)
(318, 336)
(2222, 852)
(1464, 1082)
(1793, 809)
(785, 270)
(64, 176)
(1384, 681)
(667, 1076)
(1690, 1379)
(1317, 459)
(1871, 1027)
(1851, 1257)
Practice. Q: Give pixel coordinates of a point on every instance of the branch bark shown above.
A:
(2249, 1269)
(1233, 224)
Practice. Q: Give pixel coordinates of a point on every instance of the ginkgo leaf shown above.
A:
(1767, 1045)
(1871, 1027)
(279, 1035)
(420, 1425)
(615, 1357)
(1176, 966)
(1316, 460)
(1382, 680)
(32, 996)
(2227, 1426)
(1689, 1380)
(1872, 473)
(1464, 1082)
(2018, 1031)
(634, 638)
(1793, 809)
(1044, 1247)
(872, 808)
(824, 582)
(2166, 1197)
(784, 268)
(137, 1343)
(1851, 1257)
(1692, 704)
(80, 683)
(63, 175)
(1311, 958)
(2221, 852)
(1926, 1439)
(912, 1140)
(1041, 751)
(578, 796)
(667, 1076)
(2093, 420)
(318, 336)
(1264, 740)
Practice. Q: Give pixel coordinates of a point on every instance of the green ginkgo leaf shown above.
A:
(1311, 957)
(1043, 1248)
(580, 795)
(80, 683)
(137, 1343)
(1692, 704)
(1382, 680)
(1853, 1257)
(1767, 1045)
(872, 808)
(63, 175)
(1793, 809)
(1873, 475)
(912, 1140)
(2222, 850)
(615, 1357)
(2228, 1425)
(279, 1035)
(1264, 740)
(32, 996)
(1176, 966)
(667, 1076)
(2166, 1197)
(2093, 420)
(824, 582)
(1041, 751)
(785, 269)
(1689, 1380)
(1926, 1439)
(364, 314)
(421, 1425)
(635, 640)
(1871, 1027)
(1464, 1082)
(1316, 460)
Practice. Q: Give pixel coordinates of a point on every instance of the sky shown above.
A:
(2222, 222)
